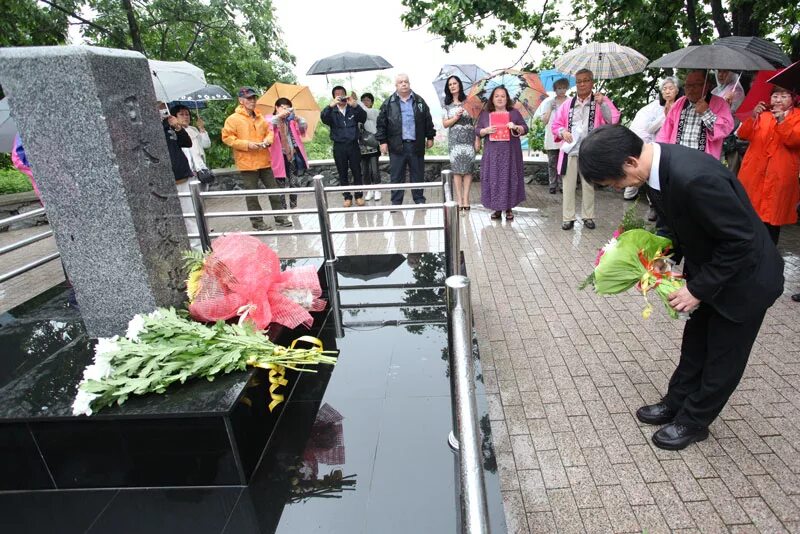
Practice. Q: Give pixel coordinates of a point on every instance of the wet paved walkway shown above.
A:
(567, 369)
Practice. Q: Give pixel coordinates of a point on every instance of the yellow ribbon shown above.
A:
(277, 373)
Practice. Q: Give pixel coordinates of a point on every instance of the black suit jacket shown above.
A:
(390, 125)
(731, 262)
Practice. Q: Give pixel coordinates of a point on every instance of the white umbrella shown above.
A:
(8, 128)
(173, 79)
(606, 60)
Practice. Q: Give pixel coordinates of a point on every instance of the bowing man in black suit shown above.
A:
(733, 270)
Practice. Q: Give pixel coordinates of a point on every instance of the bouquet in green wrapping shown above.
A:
(636, 258)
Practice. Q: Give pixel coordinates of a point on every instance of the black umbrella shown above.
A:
(348, 62)
(711, 57)
(788, 78)
(761, 47)
(370, 266)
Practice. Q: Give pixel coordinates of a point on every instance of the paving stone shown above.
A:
(583, 487)
(612, 399)
(706, 517)
(743, 457)
(619, 511)
(515, 419)
(565, 511)
(523, 451)
(569, 448)
(557, 417)
(571, 400)
(735, 480)
(633, 484)
(552, 469)
(541, 435)
(724, 502)
(783, 506)
(507, 470)
(650, 519)
(585, 432)
(509, 394)
(614, 446)
(542, 523)
(602, 471)
(595, 520)
(785, 451)
(628, 428)
(534, 495)
(761, 515)
(516, 518)
(788, 481)
(683, 481)
(670, 504)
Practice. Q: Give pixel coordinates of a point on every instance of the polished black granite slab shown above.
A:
(358, 448)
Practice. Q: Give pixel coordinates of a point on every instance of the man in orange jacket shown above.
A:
(249, 135)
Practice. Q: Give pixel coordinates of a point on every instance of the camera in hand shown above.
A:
(341, 98)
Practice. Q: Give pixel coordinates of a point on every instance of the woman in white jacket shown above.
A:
(649, 120)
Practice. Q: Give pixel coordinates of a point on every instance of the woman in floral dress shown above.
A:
(461, 139)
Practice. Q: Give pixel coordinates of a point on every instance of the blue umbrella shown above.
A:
(550, 76)
(468, 74)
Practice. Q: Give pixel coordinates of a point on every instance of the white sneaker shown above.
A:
(377, 195)
(368, 196)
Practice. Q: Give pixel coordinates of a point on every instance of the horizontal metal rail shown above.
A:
(28, 267)
(410, 228)
(22, 217)
(310, 211)
(24, 242)
(307, 190)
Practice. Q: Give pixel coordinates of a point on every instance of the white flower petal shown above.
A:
(135, 327)
(83, 403)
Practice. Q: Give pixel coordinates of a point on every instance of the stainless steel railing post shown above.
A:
(474, 509)
(452, 238)
(329, 253)
(200, 214)
(447, 185)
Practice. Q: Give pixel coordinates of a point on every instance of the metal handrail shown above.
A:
(21, 217)
(474, 508)
(28, 267)
(308, 190)
(24, 242)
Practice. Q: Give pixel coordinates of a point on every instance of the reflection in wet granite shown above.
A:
(357, 448)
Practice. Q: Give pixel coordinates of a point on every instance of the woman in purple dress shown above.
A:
(502, 171)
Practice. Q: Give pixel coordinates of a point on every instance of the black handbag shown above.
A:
(367, 139)
(205, 176)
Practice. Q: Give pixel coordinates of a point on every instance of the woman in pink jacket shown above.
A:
(287, 151)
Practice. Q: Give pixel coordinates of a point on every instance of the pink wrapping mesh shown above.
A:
(326, 443)
(243, 276)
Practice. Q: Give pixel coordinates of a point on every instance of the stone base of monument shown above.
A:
(357, 447)
(197, 434)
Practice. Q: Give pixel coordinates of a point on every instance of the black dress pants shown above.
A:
(714, 354)
(348, 156)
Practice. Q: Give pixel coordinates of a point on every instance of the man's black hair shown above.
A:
(282, 101)
(333, 91)
(604, 151)
(368, 95)
(177, 108)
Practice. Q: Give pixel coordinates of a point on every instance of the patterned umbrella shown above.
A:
(303, 103)
(524, 88)
(468, 74)
(606, 60)
(198, 99)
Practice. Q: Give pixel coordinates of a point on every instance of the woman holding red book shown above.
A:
(502, 170)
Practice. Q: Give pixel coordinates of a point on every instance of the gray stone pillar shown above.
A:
(89, 124)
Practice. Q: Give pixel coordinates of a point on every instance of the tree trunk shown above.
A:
(133, 26)
(718, 15)
(694, 32)
(744, 21)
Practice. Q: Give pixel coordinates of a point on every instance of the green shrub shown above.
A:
(13, 181)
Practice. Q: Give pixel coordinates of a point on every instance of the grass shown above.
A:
(13, 181)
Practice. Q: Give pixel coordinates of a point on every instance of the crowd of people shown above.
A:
(698, 114)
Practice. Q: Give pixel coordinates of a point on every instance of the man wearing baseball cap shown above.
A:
(249, 135)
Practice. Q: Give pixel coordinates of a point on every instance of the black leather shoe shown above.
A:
(567, 225)
(676, 436)
(655, 414)
(589, 223)
(796, 297)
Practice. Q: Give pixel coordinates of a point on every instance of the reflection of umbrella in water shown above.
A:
(369, 267)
